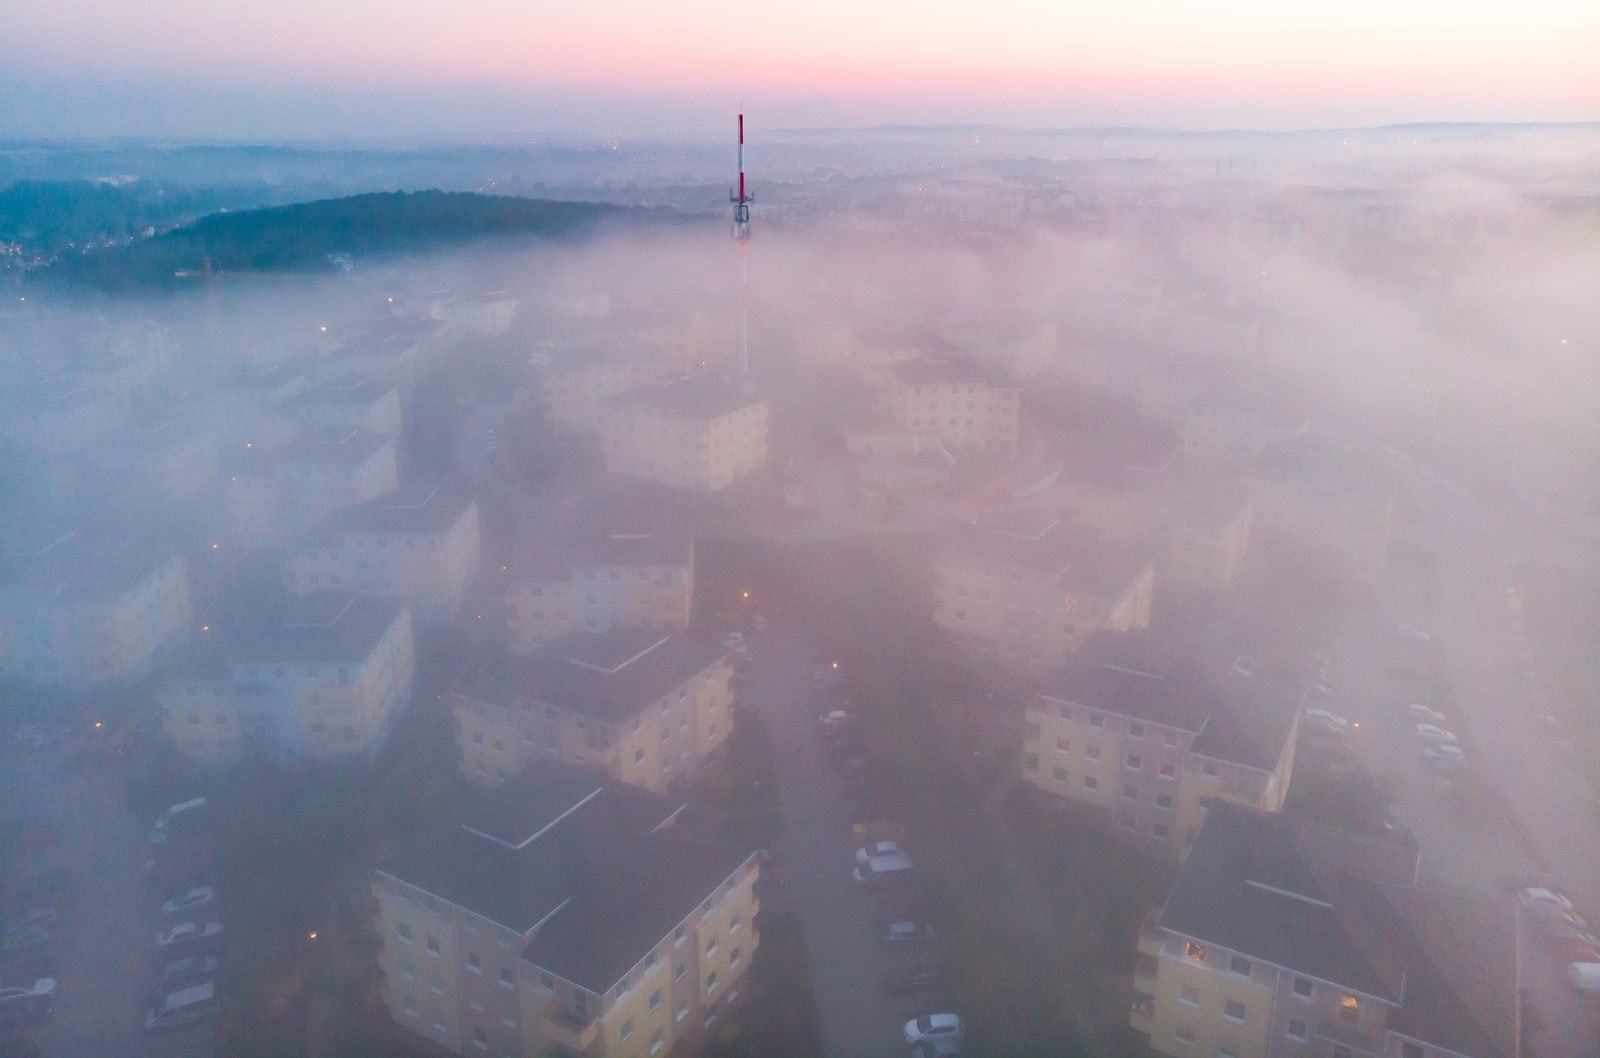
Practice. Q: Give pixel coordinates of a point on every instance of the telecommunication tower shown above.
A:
(741, 200)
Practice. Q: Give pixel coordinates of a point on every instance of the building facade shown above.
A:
(279, 494)
(598, 581)
(643, 708)
(701, 433)
(322, 682)
(572, 918)
(966, 405)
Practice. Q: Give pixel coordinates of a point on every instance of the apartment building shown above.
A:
(574, 380)
(1027, 593)
(642, 707)
(702, 433)
(892, 462)
(320, 681)
(965, 404)
(169, 455)
(62, 416)
(421, 543)
(597, 581)
(568, 916)
(1152, 743)
(1329, 495)
(1195, 521)
(79, 608)
(1283, 939)
(282, 492)
(1226, 428)
(353, 402)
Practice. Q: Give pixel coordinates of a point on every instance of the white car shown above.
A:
(1444, 755)
(184, 931)
(933, 1027)
(190, 898)
(1244, 665)
(1420, 712)
(1332, 721)
(1434, 733)
(873, 849)
(1413, 633)
(36, 997)
(1535, 897)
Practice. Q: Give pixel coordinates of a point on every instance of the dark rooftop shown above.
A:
(1080, 559)
(349, 391)
(334, 447)
(609, 675)
(323, 627)
(594, 861)
(414, 508)
(699, 397)
(1298, 896)
(73, 564)
(928, 371)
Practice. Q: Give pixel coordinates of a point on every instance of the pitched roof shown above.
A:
(1298, 896)
(698, 397)
(592, 863)
(608, 675)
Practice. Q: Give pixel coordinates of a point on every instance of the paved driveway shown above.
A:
(817, 848)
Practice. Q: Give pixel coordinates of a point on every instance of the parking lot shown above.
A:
(816, 851)
(103, 942)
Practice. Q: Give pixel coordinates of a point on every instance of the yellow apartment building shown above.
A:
(574, 381)
(702, 433)
(1283, 939)
(645, 708)
(280, 493)
(1196, 522)
(354, 402)
(597, 581)
(1027, 593)
(571, 916)
(81, 609)
(965, 404)
(421, 543)
(320, 682)
(1152, 743)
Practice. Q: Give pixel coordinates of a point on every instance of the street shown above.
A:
(105, 941)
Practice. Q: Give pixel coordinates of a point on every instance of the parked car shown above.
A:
(189, 898)
(182, 1007)
(835, 721)
(903, 980)
(193, 966)
(1585, 976)
(31, 1000)
(1433, 733)
(1537, 897)
(1577, 950)
(1244, 665)
(932, 1027)
(1331, 721)
(866, 853)
(939, 1047)
(884, 870)
(909, 931)
(1444, 756)
(1425, 714)
(1414, 634)
(187, 931)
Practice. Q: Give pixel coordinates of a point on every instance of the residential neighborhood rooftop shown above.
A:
(697, 397)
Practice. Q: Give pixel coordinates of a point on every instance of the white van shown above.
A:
(183, 810)
(1585, 976)
(182, 1007)
(884, 868)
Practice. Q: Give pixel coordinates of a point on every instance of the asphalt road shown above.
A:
(817, 849)
(105, 942)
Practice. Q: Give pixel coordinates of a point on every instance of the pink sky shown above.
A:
(1223, 62)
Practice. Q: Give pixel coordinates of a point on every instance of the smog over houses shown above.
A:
(838, 532)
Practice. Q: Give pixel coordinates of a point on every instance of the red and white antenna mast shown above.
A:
(741, 200)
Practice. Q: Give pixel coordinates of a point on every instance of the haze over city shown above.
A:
(838, 530)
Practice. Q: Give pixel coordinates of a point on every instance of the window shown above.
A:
(711, 946)
(1169, 737)
(1136, 730)
(1030, 731)
(473, 962)
(650, 962)
(1030, 762)
(1209, 768)
(1129, 823)
(656, 1042)
(1349, 1009)
(733, 925)
(1066, 712)
(411, 1006)
(1130, 791)
(407, 971)
(1060, 774)
(1093, 752)
(1184, 1035)
(403, 931)
(1091, 783)
(1168, 771)
(1233, 1010)
(677, 934)
(1240, 965)
(677, 972)
(1411, 1050)
(433, 945)
(1303, 987)
(1197, 952)
(1189, 995)
(1135, 761)
(733, 959)
(1160, 830)
(1297, 1028)
(1097, 720)
(1342, 1052)
(547, 981)
(655, 999)
(1164, 801)
(507, 980)
(626, 1030)
(711, 982)
(1225, 1052)
(638, 756)
(683, 1012)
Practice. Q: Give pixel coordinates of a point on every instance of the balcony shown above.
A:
(566, 1029)
(1150, 937)
(1365, 1043)
(1142, 1012)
